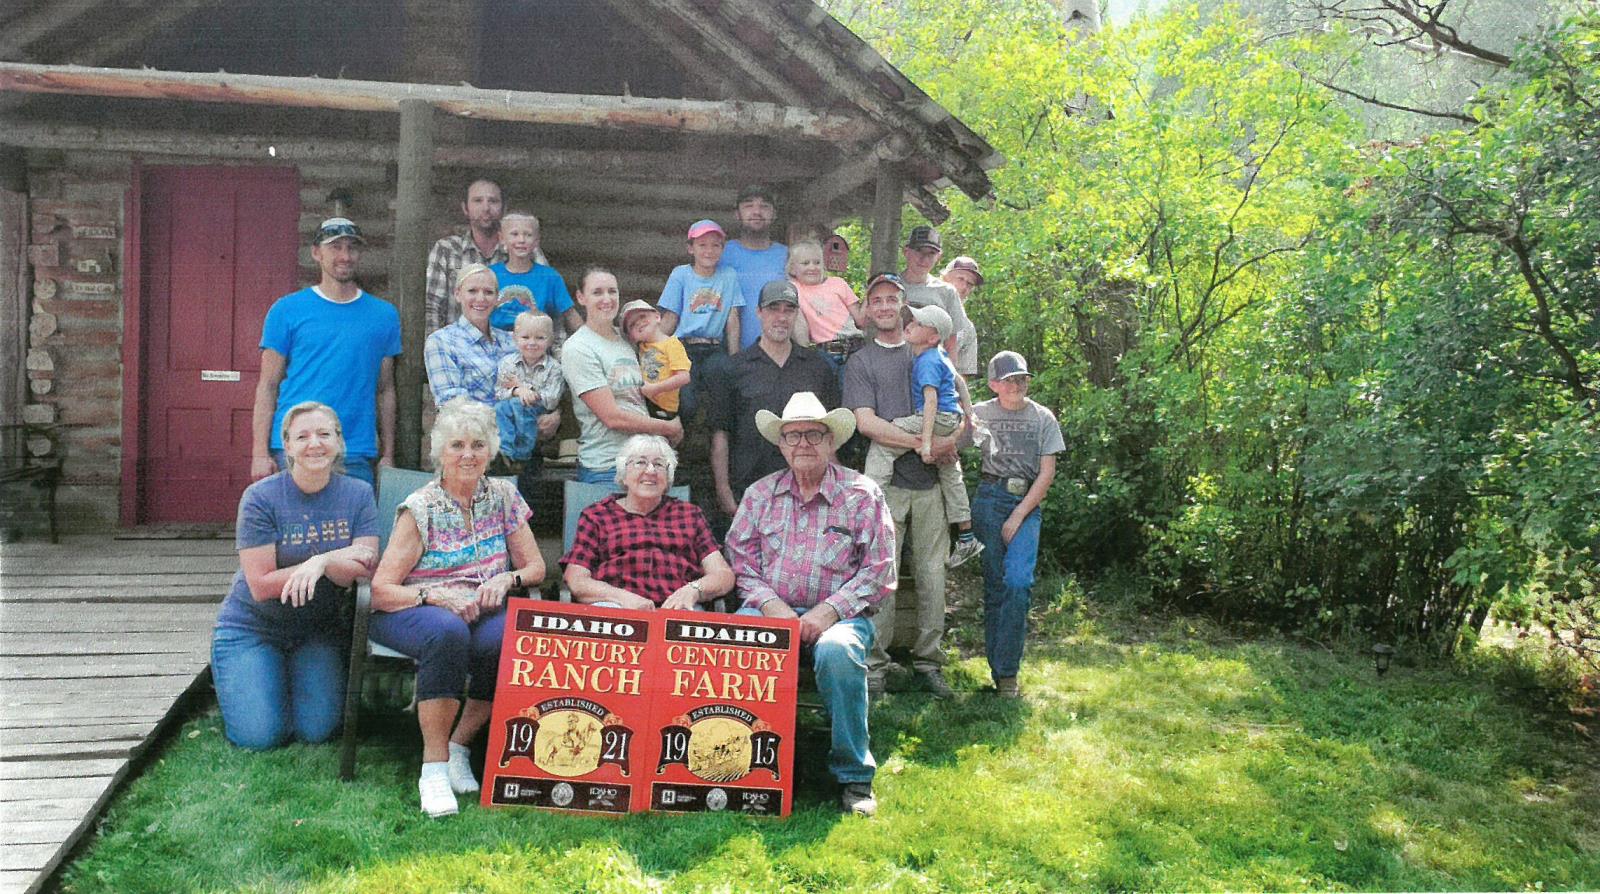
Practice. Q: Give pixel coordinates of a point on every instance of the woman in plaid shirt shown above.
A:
(642, 549)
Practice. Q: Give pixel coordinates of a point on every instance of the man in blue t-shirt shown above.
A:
(332, 343)
(754, 257)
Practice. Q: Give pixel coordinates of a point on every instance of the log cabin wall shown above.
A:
(74, 357)
(75, 346)
(618, 198)
(77, 224)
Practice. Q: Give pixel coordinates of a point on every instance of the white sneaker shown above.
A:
(462, 782)
(437, 798)
(965, 549)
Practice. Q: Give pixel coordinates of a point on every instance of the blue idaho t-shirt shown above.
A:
(334, 352)
(541, 287)
(754, 269)
(274, 511)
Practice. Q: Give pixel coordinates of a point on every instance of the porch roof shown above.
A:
(785, 70)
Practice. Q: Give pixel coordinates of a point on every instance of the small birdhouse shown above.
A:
(835, 254)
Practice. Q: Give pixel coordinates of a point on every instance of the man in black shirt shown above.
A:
(761, 377)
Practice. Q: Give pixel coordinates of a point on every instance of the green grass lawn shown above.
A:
(1148, 755)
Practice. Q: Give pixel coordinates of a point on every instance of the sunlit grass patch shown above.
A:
(1145, 757)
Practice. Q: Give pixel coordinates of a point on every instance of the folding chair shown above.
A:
(577, 496)
(394, 485)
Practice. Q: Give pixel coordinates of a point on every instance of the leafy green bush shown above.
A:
(1333, 386)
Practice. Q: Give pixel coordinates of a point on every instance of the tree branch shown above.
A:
(1373, 100)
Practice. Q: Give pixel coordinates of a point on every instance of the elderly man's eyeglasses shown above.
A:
(640, 463)
(812, 436)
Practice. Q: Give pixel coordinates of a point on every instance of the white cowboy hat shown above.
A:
(805, 407)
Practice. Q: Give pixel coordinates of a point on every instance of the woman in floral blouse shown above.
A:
(459, 544)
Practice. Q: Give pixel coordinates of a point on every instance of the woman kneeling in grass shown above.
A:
(278, 651)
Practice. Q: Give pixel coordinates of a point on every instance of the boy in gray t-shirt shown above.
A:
(1020, 440)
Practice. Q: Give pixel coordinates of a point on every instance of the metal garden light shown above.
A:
(1382, 654)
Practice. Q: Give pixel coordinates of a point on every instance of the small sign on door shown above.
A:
(219, 375)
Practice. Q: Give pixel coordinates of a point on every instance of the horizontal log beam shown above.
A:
(638, 163)
(580, 110)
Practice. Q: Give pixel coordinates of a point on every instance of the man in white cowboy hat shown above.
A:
(815, 541)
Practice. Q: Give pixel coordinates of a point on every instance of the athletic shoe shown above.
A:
(462, 782)
(857, 798)
(437, 798)
(965, 549)
(933, 681)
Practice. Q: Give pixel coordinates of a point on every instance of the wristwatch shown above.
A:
(699, 591)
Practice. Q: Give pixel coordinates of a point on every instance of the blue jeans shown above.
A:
(271, 688)
(840, 661)
(354, 466)
(1007, 576)
(703, 360)
(587, 475)
(448, 650)
(519, 427)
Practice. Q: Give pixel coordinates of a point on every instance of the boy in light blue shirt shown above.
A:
(700, 306)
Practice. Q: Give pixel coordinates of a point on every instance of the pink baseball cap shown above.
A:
(701, 227)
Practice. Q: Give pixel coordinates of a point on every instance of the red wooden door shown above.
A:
(218, 246)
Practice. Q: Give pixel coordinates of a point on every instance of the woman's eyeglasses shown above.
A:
(812, 436)
(640, 464)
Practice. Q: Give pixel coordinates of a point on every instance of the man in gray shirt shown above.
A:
(877, 386)
(922, 252)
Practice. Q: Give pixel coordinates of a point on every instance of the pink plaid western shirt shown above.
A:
(837, 547)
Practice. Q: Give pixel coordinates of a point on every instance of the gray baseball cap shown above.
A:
(778, 291)
(1006, 364)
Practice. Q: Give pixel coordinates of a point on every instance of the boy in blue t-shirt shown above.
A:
(699, 307)
(526, 284)
(946, 410)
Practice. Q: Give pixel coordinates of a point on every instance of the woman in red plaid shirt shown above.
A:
(642, 549)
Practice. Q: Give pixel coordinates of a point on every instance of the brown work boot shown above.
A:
(933, 681)
(1007, 687)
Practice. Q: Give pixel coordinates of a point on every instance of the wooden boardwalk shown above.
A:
(99, 640)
